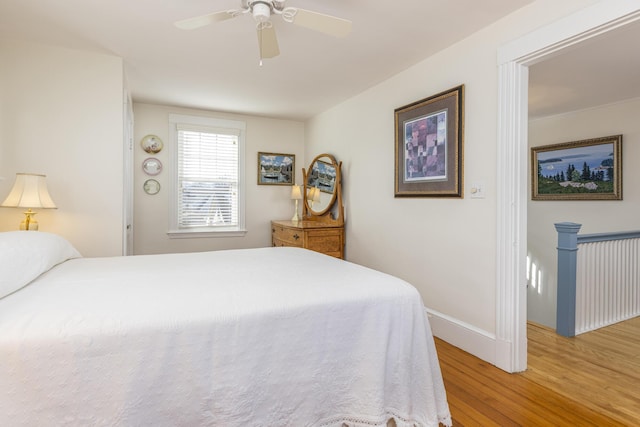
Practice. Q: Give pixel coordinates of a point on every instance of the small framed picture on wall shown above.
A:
(276, 169)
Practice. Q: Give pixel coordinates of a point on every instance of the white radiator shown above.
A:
(607, 283)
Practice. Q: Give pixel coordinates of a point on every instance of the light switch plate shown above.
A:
(477, 190)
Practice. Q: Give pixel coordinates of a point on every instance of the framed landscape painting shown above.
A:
(590, 169)
(429, 138)
(276, 168)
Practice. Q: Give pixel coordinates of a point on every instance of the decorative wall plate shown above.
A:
(152, 144)
(152, 166)
(151, 186)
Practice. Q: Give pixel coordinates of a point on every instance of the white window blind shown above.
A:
(207, 179)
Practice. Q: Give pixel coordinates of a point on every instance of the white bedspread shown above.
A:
(257, 337)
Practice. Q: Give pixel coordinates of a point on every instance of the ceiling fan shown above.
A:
(262, 10)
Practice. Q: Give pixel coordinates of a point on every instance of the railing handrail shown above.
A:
(601, 237)
(568, 241)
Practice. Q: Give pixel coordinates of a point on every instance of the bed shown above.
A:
(251, 337)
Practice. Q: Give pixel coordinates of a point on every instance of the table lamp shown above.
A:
(29, 191)
(296, 194)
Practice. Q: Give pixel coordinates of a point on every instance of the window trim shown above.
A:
(206, 122)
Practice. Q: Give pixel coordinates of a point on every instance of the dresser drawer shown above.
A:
(328, 242)
(286, 236)
(278, 242)
(309, 235)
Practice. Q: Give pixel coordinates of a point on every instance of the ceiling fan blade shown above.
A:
(268, 42)
(201, 21)
(327, 24)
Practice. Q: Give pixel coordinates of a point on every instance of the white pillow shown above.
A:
(25, 255)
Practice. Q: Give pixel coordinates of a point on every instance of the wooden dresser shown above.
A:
(315, 235)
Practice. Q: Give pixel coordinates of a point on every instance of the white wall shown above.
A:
(444, 247)
(595, 216)
(263, 202)
(61, 115)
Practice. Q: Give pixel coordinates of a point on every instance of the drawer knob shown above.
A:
(296, 237)
(273, 230)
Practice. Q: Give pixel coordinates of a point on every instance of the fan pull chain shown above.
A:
(260, 27)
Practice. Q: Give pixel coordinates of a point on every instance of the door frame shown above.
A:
(514, 60)
(128, 176)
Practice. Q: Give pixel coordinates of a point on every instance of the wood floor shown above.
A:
(589, 380)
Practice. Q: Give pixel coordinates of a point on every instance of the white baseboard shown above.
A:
(467, 337)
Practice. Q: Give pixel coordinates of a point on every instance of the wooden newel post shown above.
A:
(567, 264)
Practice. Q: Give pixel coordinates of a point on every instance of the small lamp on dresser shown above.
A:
(29, 191)
(296, 194)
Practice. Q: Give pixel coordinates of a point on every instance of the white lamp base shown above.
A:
(296, 218)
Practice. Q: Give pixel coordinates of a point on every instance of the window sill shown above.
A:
(184, 234)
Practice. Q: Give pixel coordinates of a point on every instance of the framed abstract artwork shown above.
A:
(429, 137)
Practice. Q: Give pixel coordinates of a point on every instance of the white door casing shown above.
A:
(514, 60)
(127, 238)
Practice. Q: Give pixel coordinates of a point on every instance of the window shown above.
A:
(208, 170)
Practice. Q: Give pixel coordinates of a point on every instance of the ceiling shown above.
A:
(600, 71)
(217, 67)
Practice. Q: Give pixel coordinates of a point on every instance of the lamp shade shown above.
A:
(296, 193)
(314, 194)
(29, 191)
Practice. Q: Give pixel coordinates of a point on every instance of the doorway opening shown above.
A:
(514, 60)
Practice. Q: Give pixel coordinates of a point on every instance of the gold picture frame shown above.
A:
(429, 139)
(276, 168)
(589, 169)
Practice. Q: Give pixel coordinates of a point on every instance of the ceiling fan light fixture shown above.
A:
(261, 10)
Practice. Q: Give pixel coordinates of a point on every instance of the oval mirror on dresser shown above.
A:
(323, 190)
